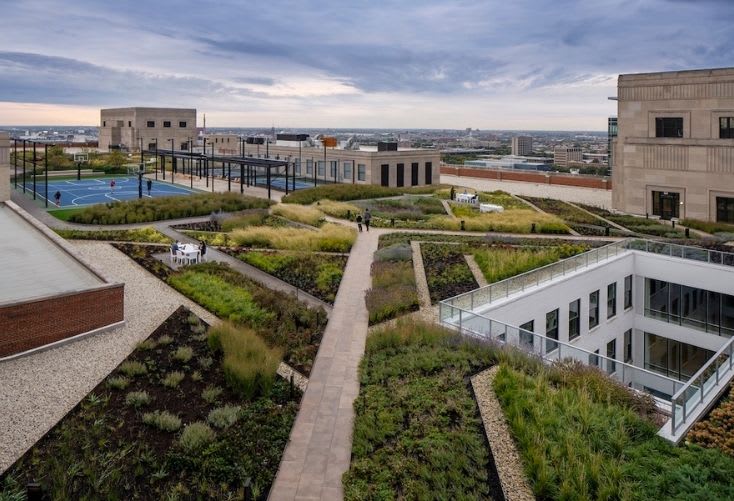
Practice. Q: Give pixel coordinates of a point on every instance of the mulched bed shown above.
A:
(447, 271)
(102, 449)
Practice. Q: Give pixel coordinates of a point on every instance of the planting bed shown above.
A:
(447, 271)
(345, 192)
(578, 220)
(717, 429)
(417, 429)
(166, 424)
(500, 262)
(409, 208)
(149, 235)
(278, 318)
(637, 224)
(393, 291)
(582, 435)
(318, 274)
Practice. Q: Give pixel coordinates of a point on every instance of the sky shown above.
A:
(486, 64)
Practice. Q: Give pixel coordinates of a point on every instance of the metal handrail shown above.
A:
(728, 346)
(543, 354)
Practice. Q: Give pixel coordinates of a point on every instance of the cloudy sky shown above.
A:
(488, 64)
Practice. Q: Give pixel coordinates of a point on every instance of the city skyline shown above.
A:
(434, 65)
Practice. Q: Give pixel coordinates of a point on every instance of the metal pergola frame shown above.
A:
(248, 166)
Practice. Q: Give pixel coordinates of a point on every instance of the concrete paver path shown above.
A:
(320, 445)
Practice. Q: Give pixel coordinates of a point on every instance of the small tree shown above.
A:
(116, 159)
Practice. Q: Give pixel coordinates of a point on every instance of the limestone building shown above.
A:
(674, 153)
(522, 145)
(125, 127)
(566, 156)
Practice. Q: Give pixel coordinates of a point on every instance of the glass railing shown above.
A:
(691, 397)
(478, 326)
(681, 251)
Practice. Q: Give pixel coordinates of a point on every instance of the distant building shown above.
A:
(124, 128)
(4, 166)
(674, 154)
(511, 162)
(386, 164)
(565, 156)
(522, 145)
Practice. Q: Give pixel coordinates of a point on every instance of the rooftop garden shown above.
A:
(276, 317)
(637, 224)
(189, 414)
(582, 222)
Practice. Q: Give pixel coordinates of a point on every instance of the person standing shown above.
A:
(150, 185)
(57, 197)
(112, 186)
(359, 222)
(202, 249)
(367, 218)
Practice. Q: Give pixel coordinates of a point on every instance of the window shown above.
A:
(309, 166)
(320, 168)
(104, 123)
(612, 353)
(385, 175)
(185, 146)
(332, 168)
(673, 358)
(152, 146)
(611, 300)
(297, 167)
(129, 123)
(628, 346)
(361, 172)
(526, 338)
(574, 320)
(429, 172)
(593, 309)
(227, 138)
(551, 330)
(183, 126)
(726, 128)
(150, 124)
(167, 124)
(669, 127)
(401, 175)
(628, 292)
(666, 204)
(725, 210)
(414, 174)
(347, 170)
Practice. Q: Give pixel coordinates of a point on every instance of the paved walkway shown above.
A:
(320, 445)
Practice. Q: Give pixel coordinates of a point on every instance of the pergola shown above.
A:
(202, 165)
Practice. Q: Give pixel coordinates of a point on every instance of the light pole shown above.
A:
(191, 162)
(173, 160)
(156, 159)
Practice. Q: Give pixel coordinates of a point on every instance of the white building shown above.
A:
(650, 314)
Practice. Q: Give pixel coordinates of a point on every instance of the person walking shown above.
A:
(57, 197)
(112, 186)
(367, 218)
(150, 185)
(202, 249)
(359, 222)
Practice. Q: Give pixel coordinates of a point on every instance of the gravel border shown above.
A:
(475, 270)
(515, 486)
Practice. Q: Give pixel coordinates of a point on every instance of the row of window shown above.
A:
(672, 358)
(345, 173)
(400, 174)
(673, 127)
(166, 124)
(700, 309)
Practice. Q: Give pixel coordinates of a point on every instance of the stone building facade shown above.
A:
(674, 153)
(125, 127)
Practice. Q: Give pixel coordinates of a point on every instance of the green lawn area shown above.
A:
(66, 214)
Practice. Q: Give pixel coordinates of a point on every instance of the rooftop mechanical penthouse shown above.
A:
(658, 317)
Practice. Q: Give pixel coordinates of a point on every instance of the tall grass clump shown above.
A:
(196, 436)
(341, 210)
(498, 263)
(306, 215)
(344, 192)
(249, 364)
(156, 209)
(393, 290)
(329, 238)
(510, 221)
(250, 218)
(163, 420)
(148, 234)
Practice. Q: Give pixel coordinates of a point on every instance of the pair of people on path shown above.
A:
(366, 219)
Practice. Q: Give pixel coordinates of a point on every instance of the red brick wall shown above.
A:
(37, 323)
(528, 177)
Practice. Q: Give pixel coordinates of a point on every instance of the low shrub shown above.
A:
(716, 431)
(132, 368)
(341, 210)
(205, 362)
(708, 226)
(344, 192)
(249, 364)
(165, 340)
(137, 399)
(155, 209)
(163, 420)
(250, 218)
(396, 252)
(329, 238)
(173, 379)
(224, 417)
(211, 394)
(196, 436)
(150, 235)
(183, 353)
(118, 382)
(196, 376)
(147, 345)
(393, 290)
(305, 215)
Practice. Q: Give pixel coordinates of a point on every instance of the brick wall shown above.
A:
(528, 177)
(37, 323)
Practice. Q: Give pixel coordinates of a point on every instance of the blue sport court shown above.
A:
(96, 191)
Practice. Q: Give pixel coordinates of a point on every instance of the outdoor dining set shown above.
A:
(182, 253)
